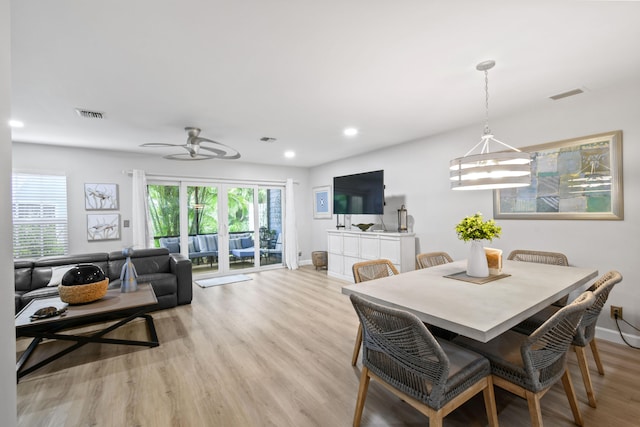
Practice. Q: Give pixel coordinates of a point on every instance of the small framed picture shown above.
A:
(103, 227)
(101, 197)
(322, 202)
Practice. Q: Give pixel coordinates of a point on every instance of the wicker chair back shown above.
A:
(544, 352)
(431, 259)
(374, 269)
(601, 289)
(541, 257)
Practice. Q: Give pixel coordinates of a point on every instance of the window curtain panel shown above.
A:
(291, 232)
(140, 224)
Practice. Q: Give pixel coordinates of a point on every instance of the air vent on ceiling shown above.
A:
(566, 94)
(87, 114)
(267, 139)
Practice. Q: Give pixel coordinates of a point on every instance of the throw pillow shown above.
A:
(174, 247)
(212, 242)
(57, 273)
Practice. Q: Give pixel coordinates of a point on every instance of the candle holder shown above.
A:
(402, 219)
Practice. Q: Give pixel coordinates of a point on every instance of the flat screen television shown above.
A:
(361, 193)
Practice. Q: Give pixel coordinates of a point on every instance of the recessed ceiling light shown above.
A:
(350, 131)
(289, 154)
(16, 124)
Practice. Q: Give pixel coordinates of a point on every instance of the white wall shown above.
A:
(416, 174)
(7, 329)
(94, 166)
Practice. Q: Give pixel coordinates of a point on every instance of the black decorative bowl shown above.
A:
(82, 284)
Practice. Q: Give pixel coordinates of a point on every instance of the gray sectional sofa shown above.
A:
(169, 274)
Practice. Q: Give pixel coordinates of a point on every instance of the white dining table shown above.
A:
(478, 311)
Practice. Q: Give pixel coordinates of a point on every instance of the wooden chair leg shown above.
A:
(356, 348)
(596, 356)
(571, 395)
(535, 411)
(362, 395)
(490, 403)
(586, 377)
(435, 422)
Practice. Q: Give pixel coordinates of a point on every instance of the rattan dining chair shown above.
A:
(585, 334)
(362, 272)
(542, 257)
(431, 259)
(528, 365)
(435, 377)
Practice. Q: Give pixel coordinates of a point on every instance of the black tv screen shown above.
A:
(361, 193)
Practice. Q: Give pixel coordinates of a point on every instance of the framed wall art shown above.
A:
(579, 178)
(322, 202)
(100, 197)
(103, 227)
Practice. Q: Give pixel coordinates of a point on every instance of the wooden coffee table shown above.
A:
(115, 306)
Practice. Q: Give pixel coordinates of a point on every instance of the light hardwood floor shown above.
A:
(273, 351)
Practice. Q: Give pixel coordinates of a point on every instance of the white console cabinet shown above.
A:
(345, 248)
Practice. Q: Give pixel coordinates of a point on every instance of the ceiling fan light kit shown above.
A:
(487, 170)
(194, 147)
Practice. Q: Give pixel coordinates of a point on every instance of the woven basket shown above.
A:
(82, 294)
(319, 259)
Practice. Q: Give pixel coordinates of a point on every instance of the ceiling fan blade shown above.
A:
(187, 156)
(218, 151)
(226, 153)
(160, 144)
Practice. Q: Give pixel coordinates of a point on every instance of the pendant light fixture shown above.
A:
(487, 170)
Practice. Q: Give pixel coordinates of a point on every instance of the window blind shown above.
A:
(39, 210)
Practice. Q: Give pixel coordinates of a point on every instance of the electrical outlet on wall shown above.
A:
(616, 312)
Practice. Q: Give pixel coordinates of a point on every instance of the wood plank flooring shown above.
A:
(272, 351)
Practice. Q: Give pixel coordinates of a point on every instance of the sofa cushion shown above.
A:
(212, 242)
(208, 242)
(43, 267)
(246, 242)
(144, 260)
(22, 275)
(57, 272)
(193, 244)
(235, 244)
(174, 247)
(45, 292)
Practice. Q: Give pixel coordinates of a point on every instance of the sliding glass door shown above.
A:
(202, 234)
(221, 227)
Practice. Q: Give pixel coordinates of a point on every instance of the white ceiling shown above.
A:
(301, 71)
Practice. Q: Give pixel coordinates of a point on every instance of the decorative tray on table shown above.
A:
(462, 275)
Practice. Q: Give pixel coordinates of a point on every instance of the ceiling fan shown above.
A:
(195, 143)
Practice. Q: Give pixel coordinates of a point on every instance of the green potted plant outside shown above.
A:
(475, 229)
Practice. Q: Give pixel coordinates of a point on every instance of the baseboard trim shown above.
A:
(613, 335)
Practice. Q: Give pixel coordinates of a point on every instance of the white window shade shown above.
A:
(39, 210)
